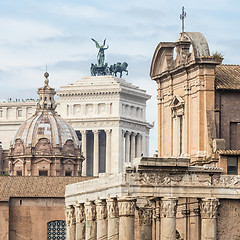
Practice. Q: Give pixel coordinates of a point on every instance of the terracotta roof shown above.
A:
(35, 186)
(227, 77)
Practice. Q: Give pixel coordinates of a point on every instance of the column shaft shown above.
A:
(145, 223)
(96, 154)
(80, 221)
(108, 151)
(70, 223)
(127, 147)
(84, 152)
(126, 215)
(168, 218)
(133, 146)
(209, 208)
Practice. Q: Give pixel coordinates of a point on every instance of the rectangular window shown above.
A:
(232, 165)
(68, 173)
(19, 173)
(19, 112)
(43, 173)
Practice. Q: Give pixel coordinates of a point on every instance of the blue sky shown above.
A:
(34, 33)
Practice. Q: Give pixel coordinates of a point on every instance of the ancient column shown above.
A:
(156, 224)
(139, 151)
(70, 223)
(102, 224)
(96, 153)
(113, 219)
(108, 151)
(168, 218)
(126, 218)
(145, 223)
(80, 221)
(127, 147)
(84, 152)
(91, 226)
(133, 146)
(209, 208)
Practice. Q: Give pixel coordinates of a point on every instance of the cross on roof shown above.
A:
(182, 17)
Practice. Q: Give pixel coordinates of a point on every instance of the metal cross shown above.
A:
(182, 17)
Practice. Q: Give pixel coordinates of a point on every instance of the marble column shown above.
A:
(102, 223)
(145, 223)
(133, 146)
(91, 225)
(209, 208)
(113, 219)
(127, 147)
(70, 223)
(157, 220)
(80, 221)
(139, 151)
(96, 153)
(126, 218)
(168, 218)
(108, 151)
(84, 152)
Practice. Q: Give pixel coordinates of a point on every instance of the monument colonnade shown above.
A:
(131, 147)
(115, 219)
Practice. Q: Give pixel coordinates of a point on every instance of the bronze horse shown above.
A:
(118, 68)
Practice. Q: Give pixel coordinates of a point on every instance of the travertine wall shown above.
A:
(29, 217)
(228, 220)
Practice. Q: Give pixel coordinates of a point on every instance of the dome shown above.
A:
(45, 144)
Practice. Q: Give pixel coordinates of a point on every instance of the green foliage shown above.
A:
(217, 55)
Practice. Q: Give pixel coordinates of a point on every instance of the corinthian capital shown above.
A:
(101, 208)
(127, 206)
(209, 207)
(90, 211)
(112, 208)
(69, 214)
(145, 216)
(79, 212)
(168, 207)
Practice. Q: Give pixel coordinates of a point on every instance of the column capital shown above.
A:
(83, 131)
(127, 206)
(95, 132)
(112, 208)
(108, 131)
(90, 211)
(101, 209)
(168, 207)
(145, 216)
(133, 134)
(79, 212)
(127, 133)
(69, 213)
(209, 207)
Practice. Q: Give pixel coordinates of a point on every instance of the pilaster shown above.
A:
(113, 219)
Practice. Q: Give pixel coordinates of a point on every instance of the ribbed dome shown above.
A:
(46, 125)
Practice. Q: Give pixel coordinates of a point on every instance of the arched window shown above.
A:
(56, 230)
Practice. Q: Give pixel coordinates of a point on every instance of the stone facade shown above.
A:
(108, 114)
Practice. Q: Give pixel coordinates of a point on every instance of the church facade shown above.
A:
(191, 190)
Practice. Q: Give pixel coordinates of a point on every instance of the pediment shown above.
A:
(19, 161)
(43, 160)
(177, 101)
(69, 161)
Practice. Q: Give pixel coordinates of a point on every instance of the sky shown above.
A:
(57, 33)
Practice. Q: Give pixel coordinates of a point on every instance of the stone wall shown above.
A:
(4, 223)
(228, 220)
(29, 217)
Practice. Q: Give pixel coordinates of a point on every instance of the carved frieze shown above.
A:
(168, 207)
(127, 207)
(209, 207)
(112, 208)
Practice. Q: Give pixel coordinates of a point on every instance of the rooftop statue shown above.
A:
(101, 55)
(102, 68)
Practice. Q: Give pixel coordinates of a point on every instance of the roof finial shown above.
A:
(182, 17)
(46, 75)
